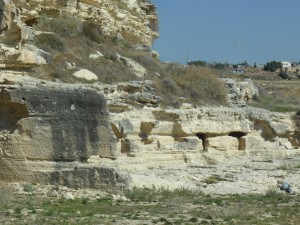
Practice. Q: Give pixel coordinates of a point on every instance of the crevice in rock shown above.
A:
(116, 131)
(31, 22)
(145, 130)
(162, 115)
(177, 132)
(266, 131)
(10, 112)
(204, 137)
(239, 135)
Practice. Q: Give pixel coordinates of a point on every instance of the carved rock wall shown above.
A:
(211, 132)
(50, 130)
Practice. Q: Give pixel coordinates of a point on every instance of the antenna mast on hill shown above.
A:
(187, 58)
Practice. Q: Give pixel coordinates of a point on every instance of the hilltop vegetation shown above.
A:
(198, 85)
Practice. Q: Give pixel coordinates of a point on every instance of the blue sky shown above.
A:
(229, 31)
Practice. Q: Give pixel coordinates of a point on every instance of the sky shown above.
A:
(228, 31)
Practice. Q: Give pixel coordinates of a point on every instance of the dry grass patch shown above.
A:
(198, 85)
(278, 96)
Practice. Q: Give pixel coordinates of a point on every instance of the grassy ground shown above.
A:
(151, 206)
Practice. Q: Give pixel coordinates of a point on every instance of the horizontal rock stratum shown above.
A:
(114, 136)
(63, 134)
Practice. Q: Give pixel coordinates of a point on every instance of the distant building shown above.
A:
(286, 64)
(238, 71)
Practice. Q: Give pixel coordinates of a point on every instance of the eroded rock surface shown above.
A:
(49, 131)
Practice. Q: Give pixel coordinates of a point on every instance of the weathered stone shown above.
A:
(68, 196)
(51, 122)
(189, 143)
(135, 67)
(165, 142)
(96, 55)
(33, 55)
(240, 93)
(85, 74)
(222, 143)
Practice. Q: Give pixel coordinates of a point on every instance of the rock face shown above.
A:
(134, 20)
(135, 67)
(240, 93)
(44, 124)
(62, 134)
(216, 132)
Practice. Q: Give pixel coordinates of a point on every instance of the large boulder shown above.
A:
(240, 93)
(85, 74)
(134, 66)
(53, 123)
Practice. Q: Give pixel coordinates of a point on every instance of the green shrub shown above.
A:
(273, 194)
(28, 188)
(272, 66)
(284, 75)
(84, 201)
(50, 42)
(161, 194)
(219, 66)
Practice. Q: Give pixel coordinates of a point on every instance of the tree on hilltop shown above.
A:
(272, 66)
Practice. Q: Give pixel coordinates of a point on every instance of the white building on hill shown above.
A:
(286, 64)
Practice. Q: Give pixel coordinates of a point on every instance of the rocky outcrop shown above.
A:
(134, 20)
(135, 67)
(240, 93)
(62, 134)
(50, 130)
(214, 132)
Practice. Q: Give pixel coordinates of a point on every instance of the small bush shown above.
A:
(169, 86)
(142, 194)
(161, 194)
(273, 194)
(84, 201)
(28, 188)
(50, 42)
(284, 75)
(92, 31)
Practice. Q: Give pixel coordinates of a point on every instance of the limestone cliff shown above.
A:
(135, 20)
(47, 130)
(109, 135)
